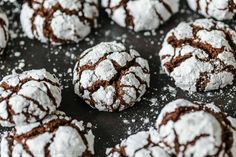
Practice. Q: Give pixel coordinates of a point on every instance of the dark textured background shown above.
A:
(109, 128)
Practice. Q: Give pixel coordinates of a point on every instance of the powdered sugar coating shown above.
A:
(218, 9)
(59, 21)
(142, 144)
(196, 130)
(110, 77)
(28, 97)
(4, 34)
(200, 55)
(140, 15)
(56, 136)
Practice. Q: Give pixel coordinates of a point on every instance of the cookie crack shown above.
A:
(115, 82)
(202, 82)
(50, 95)
(50, 127)
(3, 25)
(194, 141)
(121, 151)
(35, 102)
(207, 6)
(204, 77)
(16, 89)
(176, 61)
(225, 30)
(195, 42)
(226, 126)
(129, 19)
(198, 6)
(167, 6)
(159, 15)
(211, 51)
(49, 13)
(146, 146)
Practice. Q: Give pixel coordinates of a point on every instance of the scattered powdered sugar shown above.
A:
(154, 102)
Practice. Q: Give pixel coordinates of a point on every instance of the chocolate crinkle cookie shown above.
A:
(218, 9)
(142, 144)
(140, 15)
(200, 55)
(59, 21)
(111, 77)
(56, 136)
(28, 97)
(4, 34)
(196, 130)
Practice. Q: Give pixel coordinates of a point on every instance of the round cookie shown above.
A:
(56, 136)
(196, 130)
(59, 21)
(218, 9)
(4, 34)
(200, 55)
(142, 144)
(28, 97)
(111, 77)
(140, 15)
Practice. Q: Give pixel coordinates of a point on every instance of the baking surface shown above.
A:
(109, 128)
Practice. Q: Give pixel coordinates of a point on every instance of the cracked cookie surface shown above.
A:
(196, 130)
(218, 9)
(142, 144)
(140, 15)
(4, 34)
(28, 97)
(111, 77)
(200, 55)
(59, 21)
(55, 136)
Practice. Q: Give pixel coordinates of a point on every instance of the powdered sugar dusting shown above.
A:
(144, 143)
(141, 14)
(199, 55)
(67, 22)
(30, 96)
(221, 10)
(205, 127)
(120, 75)
(56, 135)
